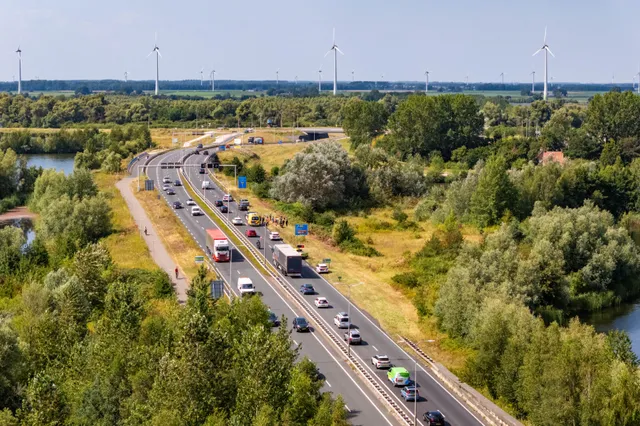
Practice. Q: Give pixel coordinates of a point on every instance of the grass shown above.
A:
(175, 237)
(126, 245)
(208, 93)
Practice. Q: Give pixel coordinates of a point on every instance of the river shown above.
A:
(60, 162)
(624, 317)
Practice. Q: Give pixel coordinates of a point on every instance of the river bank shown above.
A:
(21, 212)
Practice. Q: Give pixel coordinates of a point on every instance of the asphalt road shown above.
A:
(363, 406)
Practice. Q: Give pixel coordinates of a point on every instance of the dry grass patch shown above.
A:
(174, 235)
(127, 247)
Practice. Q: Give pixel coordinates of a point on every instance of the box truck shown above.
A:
(218, 245)
(287, 260)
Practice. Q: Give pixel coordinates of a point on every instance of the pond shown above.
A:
(60, 162)
(624, 317)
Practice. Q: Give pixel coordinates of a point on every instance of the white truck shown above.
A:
(245, 286)
(206, 184)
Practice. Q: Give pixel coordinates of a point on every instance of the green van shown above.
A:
(399, 376)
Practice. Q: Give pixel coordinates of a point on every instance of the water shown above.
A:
(625, 317)
(27, 228)
(60, 162)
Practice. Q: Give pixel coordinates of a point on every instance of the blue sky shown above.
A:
(250, 39)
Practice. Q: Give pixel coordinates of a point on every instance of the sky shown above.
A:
(593, 41)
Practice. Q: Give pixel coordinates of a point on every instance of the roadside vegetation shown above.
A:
(88, 339)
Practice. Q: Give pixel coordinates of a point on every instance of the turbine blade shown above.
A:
(339, 51)
(549, 50)
(325, 55)
(334, 35)
(537, 51)
(545, 35)
(150, 53)
(159, 54)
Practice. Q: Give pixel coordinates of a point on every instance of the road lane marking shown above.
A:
(347, 407)
(294, 342)
(327, 382)
(374, 348)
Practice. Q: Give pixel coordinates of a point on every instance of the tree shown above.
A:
(613, 116)
(363, 121)
(494, 193)
(422, 124)
(342, 232)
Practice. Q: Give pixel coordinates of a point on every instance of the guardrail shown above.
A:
(354, 359)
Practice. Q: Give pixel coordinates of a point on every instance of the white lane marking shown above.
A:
(347, 407)
(374, 348)
(327, 382)
(295, 343)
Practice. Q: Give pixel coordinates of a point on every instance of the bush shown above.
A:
(261, 190)
(342, 232)
(326, 219)
(357, 247)
(406, 279)
(399, 215)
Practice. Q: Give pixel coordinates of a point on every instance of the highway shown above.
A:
(364, 407)
(375, 341)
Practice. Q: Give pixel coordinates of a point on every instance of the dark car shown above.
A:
(307, 289)
(219, 203)
(224, 209)
(251, 233)
(205, 152)
(433, 418)
(177, 183)
(202, 171)
(273, 319)
(177, 205)
(199, 146)
(300, 324)
(171, 192)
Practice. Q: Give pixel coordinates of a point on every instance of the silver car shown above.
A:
(352, 337)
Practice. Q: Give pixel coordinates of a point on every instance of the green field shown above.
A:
(209, 93)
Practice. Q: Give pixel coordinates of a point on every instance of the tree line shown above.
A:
(87, 342)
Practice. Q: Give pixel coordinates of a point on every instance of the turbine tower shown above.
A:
(502, 78)
(202, 76)
(19, 52)
(426, 89)
(335, 49)
(213, 80)
(126, 76)
(156, 49)
(638, 74)
(320, 80)
(546, 49)
(278, 76)
(353, 75)
(533, 82)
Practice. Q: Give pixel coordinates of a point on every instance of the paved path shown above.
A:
(157, 249)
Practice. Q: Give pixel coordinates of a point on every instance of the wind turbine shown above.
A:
(533, 82)
(213, 80)
(202, 76)
(638, 74)
(353, 75)
(320, 80)
(156, 49)
(295, 80)
(502, 77)
(426, 89)
(546, 49)
(19, 52)
(126, 76)
(335, 49)
(277, 76)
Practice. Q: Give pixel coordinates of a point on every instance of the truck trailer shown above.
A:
(218, 245)
(287, 260)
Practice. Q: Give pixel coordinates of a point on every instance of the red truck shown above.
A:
(218, 245)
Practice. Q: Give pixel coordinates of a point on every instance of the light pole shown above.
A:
(349, 315)
(415, 387)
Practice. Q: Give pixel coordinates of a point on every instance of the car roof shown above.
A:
(382, 356)
(342, 314)
(321, 298)
(300, 319)
(322, 264)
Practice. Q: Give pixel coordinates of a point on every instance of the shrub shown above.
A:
(406, 279)
(342, 232)
(357, 247)
(399, 215)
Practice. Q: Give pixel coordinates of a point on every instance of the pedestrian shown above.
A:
(145, 230)
(176, 271)
(286, 222)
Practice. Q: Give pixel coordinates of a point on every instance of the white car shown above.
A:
(166, 186)
(195, 211)
(237, 220)
(166, 179)
(274, 236)
(341, 320)
(206, 184)
(190, 202)
(381, 361)
(321, 302)
(322, 268)
(227, 197)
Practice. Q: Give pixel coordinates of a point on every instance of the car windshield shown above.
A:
(244, 286)
(301, 321)
(222, 248)
(354, 334)
(272, 316)
(383, 358)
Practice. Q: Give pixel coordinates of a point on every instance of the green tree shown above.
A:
(363, 121)
(494, 194)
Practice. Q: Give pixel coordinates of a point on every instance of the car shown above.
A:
(177, 205)
(202, 171)
(171, 192)
(433, 418)
(166, 179)
(224, 209)
(243, 204)
(321, 302)
(237, 220)
(250, 233)
(352, 337)
(199, 146)
(274, 236)
(273, 319)
(399, 376)
(341, 320)
(190, 202)
(166, 186)
(218, 203)
(300, 324)
(307, 289)
(177, 183)
(196, 152)
(195, 211)
(410, 393)
(206, 184)
(227, 197)
(381, 361)
(322, 268)
(205, 152)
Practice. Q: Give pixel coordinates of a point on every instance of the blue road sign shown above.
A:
(302, 229)
(242, 182)
(222, 148)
